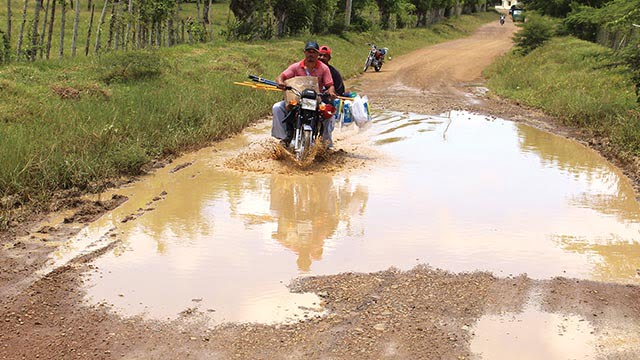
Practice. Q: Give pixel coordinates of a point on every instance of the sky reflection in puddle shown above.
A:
(533, 335)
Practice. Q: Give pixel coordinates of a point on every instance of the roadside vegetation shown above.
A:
(579, 61)
(73, 123)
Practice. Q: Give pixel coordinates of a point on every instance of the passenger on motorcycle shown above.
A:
(309, 66)
(338, 84)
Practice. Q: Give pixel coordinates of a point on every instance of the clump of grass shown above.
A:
(129, 66)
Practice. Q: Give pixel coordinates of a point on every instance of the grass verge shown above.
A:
(578, 82)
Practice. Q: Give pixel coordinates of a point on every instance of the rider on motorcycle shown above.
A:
(309, 66)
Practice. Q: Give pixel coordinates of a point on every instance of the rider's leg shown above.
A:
(278, 129)
(327, 129)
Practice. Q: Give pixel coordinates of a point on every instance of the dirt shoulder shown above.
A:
(423, 313)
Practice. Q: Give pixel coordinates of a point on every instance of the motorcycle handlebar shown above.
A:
(297, 92)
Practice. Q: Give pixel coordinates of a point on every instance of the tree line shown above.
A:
(107, 25)
(260, 19)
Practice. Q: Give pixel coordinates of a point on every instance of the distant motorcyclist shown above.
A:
(502, 18)
(309, 66)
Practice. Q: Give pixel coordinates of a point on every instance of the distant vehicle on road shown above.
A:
(517, 15)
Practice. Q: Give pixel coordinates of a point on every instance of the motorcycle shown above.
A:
(502, 20)
(375, 58)
(304, 121)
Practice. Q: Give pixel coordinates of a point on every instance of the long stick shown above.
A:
(130, 19)
(210, 22)
(112, 21)
(34, 38)
(9, 21)
(86, 48)
(53, 17)
(100, 22)
(63, 22)
(43, 33)
(76, 22)
(24, 21)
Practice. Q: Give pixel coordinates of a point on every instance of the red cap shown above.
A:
(324, 49)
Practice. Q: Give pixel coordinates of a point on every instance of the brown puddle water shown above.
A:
(534, 335)
(459, 193)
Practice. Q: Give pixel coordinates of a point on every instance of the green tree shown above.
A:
(387, 8)
(358, 21)
(252, 19)
(155, 11)
(324, 13)
(422, 9)
(560, 8)
(292, 16)
(535, 32)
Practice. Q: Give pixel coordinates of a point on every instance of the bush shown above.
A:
(583, 23)
(127, 66)
(631, 56)
(536, 31)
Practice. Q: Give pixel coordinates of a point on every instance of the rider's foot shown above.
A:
(285, 142)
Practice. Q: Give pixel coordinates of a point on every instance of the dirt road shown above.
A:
(424, 313)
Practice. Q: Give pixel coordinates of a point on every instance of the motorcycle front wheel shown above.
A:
(305, 145)
(378, 67)
(367, 64)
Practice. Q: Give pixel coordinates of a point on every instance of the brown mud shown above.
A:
(423, 313)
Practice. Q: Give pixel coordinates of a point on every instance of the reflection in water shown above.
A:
(533, 335)
(308, 210)
(490, 195)
(204, 243)
(501, 194)
(613, 260)
(615, 193)
(306, 216)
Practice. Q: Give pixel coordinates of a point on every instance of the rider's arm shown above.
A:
(287, 74)
(332, 92)
(280, 82)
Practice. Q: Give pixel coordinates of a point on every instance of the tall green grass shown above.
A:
(74, 123)
(579, 82)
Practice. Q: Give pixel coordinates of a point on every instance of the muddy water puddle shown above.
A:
(460, 192)
(534, 334)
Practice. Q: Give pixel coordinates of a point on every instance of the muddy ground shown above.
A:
(423, 313)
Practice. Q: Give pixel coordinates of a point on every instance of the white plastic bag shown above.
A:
(360, 110)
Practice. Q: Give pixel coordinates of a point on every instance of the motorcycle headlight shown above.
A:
(309, 104)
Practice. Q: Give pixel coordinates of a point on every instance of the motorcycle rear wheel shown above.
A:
(377, 67)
